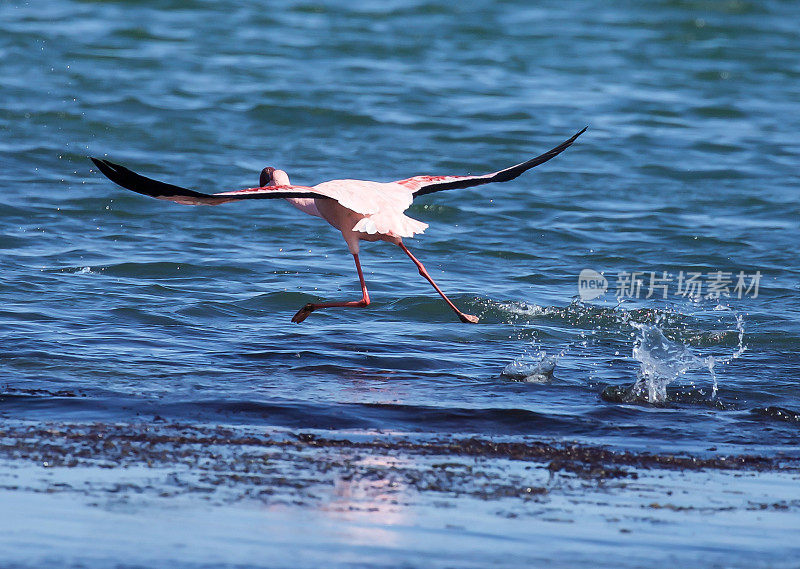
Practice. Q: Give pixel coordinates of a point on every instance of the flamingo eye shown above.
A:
(266, 176)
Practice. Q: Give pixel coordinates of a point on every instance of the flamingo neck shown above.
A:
(305, 205)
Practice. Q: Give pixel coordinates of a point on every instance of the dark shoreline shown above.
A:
(256, 452)
(295, 497)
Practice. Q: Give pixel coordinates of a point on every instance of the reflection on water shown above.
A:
(370, 498)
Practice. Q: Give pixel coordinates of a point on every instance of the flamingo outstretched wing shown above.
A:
(136, 182)
(422, 185)
(360, 196)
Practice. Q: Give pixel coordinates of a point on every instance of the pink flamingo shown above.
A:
(361, 210)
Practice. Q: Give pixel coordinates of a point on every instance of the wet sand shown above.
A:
(145, 494)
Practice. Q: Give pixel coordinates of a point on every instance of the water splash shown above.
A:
(710, 362)
(740, 348)
(663, 358)
(536, 369)
(662, 361)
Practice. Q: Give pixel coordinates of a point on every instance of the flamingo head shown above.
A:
(266, 177)
(273, 177)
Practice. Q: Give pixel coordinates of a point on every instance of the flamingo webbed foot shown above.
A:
(303, 313)
(468, 318)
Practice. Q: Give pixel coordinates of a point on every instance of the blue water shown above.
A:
(140, 308)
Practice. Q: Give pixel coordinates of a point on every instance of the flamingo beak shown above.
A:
(266, 177)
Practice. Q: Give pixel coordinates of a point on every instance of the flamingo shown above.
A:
(361, 210)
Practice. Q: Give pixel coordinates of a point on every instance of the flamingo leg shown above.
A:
(466, 318)
(303, 313)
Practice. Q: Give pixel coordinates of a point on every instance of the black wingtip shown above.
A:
(105, 167)
(130, 180)
(576, 135)
(514, 171)
(503, 175)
